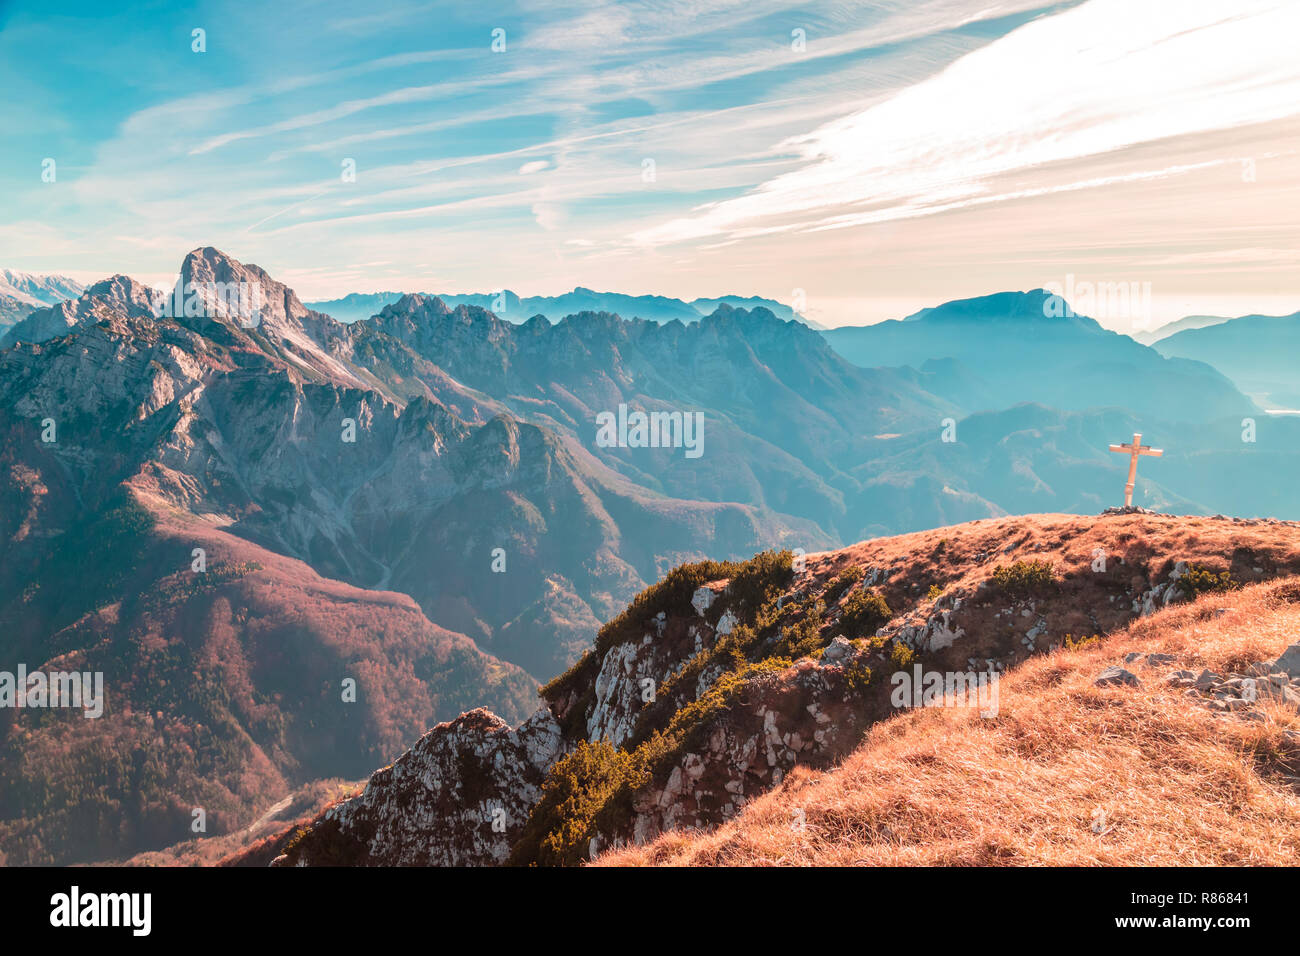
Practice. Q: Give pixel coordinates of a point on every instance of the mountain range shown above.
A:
(509, 306)
(23, 292)
(421, 501)
(993, 351)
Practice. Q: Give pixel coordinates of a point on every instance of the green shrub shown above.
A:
(1072, 643)
(592, 789)
(857, 676)
(1200, 580)
(760, 579)
(864, 612)
(842, 582)
(901, 656)
(934, 593)
(752, 584)
(560, 826)
(804, 636)
(1024, 578)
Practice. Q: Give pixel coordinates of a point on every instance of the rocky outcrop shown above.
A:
(1247, 693)
(459, 797)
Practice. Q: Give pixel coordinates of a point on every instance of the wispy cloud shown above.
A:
(1151, 71)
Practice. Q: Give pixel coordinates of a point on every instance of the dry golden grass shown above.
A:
(1164, 780)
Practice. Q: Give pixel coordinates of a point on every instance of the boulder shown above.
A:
(1289, 662)
(1117, 675)
(838, 650)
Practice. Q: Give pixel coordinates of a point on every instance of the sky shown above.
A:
(862, 160)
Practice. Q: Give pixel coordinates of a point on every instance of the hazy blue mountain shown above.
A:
(355, 305)
(1261, 353)
(14, 309)
(779, 309)
(509, 306)
(1012, 349)
(785, 417)
(1153, 336)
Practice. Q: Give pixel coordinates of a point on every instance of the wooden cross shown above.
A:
(1135, 449)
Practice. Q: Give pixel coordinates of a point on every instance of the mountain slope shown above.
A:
(784, 415)
(224, 687)
(1258, 352)
(759, 668)
(14, 309)
(1171, 328)
(1069, 773)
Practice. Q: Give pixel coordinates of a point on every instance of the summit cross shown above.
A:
(1134, 450)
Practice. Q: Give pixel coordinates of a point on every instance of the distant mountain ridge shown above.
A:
(1010, 347)
(21, 293)
(1258, 352)
(108, 297)
(1153, 336)
(39, 289)
(509, 306)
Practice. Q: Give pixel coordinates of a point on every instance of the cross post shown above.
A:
(1134, 450)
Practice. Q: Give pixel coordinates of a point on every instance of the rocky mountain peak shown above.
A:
(116, 295)
(217, 279)
(417, 303)
(1035, 306)
(124, 289)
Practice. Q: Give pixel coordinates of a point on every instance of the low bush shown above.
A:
(1199, 580)
(864, 613)
(1024, 578)
(842, 582)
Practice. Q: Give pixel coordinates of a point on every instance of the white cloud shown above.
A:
(1101, 77)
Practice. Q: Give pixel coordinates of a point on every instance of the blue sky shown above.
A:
(905, 153)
